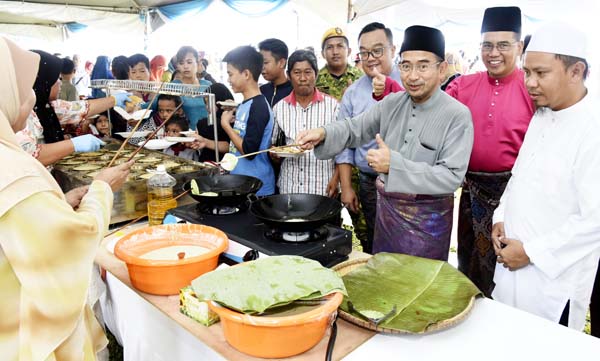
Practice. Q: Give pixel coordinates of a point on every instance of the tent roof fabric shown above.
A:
(6, 18)
(121, 14)
(398, 14)
(55, 14)
(115, 5)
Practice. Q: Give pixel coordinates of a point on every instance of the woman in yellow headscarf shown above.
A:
(47, 248)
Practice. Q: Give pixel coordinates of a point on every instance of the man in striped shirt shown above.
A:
(305, 108)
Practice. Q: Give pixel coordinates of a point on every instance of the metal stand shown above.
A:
(178, 89)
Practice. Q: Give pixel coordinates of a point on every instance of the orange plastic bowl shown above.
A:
(161, 277)
(274, 337)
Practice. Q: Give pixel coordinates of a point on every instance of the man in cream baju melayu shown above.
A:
(546, 231)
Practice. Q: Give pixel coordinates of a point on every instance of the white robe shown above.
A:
(552, 205)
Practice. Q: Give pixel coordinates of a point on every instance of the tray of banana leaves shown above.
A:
(402, 294)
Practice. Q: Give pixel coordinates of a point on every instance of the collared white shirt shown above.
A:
(552, 205)
(305, 174)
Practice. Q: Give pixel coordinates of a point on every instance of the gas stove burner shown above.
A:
(312, 235)
(225, 210)
(295, 236)
(328, 244)
(217, 210)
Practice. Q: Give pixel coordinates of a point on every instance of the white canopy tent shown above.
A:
(117, 27)
(51, 19)
(438, 12)
(21, 17)
(54, 20)
(400, 14)
(124, 26)
(461, 21)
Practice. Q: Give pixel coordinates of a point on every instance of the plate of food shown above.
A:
(90, 154)
(288, 152)
(146, 175)
(138, 134)
(134, 115)
(150, 160)
(157, 144)
(180, 139)
(170, 164)
(71, 162)
(87, 167)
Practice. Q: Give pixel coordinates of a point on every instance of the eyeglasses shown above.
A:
(375, 53)
(502, 46)
(420, 68)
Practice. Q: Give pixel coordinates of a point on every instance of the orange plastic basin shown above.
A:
(166, 277)
(274, 337)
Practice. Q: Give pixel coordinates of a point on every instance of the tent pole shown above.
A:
(147, 29)
(297, 27)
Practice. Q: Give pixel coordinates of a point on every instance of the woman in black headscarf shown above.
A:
(46, 82)
(47, 87)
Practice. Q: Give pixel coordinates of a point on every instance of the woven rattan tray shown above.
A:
(345, 267)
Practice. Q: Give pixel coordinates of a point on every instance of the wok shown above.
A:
(232, 189)
(297, 212)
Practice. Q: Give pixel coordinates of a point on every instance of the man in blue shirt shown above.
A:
(376, 51)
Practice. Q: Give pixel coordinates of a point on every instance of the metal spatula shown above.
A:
(375, 321)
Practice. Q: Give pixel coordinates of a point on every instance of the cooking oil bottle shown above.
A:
(160, 195)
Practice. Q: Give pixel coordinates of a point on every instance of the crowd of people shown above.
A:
(518, 140)
(393, 141)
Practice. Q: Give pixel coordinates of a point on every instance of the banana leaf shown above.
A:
(424, 291)
(253, 287)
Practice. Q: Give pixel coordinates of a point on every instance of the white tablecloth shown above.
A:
(493, 331)
(146, 333)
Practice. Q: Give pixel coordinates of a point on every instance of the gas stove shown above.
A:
(328, 244)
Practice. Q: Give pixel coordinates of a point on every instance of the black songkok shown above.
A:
(501, 19)
(423, 38)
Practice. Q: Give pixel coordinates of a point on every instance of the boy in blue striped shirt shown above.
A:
(253, 122)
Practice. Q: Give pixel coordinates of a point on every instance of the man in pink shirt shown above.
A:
(501, 109)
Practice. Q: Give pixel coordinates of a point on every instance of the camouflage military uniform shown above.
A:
(333, 86)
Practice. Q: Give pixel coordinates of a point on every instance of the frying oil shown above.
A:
(160, 195)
